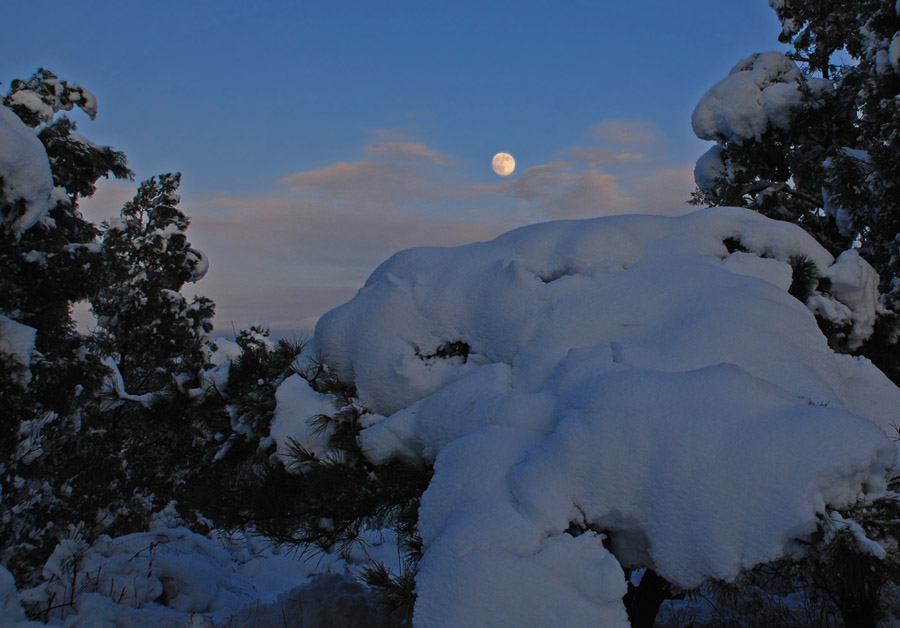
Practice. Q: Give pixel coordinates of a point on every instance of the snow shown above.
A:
(12, 615)
(774, 271)
(842, 218)
(17, 340)
(114, 386)
(863, 542)
(33, 102)
(199, 263)
(625, 375)
(64, 98)
(760, 92)
(24, 171)
(709, 167)
(594, 396)
(296, 403)
(855, 283)
(894, 52)
(222, 351)
(171, 576)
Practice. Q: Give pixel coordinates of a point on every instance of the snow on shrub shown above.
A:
(618, 392)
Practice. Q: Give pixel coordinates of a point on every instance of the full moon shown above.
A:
(503, 164)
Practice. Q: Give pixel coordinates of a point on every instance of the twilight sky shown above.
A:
(316, 138)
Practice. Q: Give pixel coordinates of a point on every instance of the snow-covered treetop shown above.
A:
(645, 377)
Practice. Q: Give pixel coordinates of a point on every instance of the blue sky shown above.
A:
(316, 138)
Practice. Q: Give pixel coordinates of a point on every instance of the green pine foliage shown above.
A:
(859, 164)
(77, 450)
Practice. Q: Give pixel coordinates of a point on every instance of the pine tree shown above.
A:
(154, 335)
(80, 452)
(50, 260)
(823, 151)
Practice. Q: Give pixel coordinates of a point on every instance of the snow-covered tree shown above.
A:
(50, 260)
(149, 329)
(116, 404)
(813, 137)
(49, 251)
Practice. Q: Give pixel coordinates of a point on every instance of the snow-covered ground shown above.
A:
(172, 577)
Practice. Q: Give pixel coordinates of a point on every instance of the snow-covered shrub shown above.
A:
(234, 410)
(598, 397)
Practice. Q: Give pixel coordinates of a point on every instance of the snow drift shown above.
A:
(627, 377)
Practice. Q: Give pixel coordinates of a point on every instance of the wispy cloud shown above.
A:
(561, 191)
(619, 169)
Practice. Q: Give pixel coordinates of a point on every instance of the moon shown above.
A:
(503, 164)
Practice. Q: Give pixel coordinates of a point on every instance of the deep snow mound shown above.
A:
(645, 378)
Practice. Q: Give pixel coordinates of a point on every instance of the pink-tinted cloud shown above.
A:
(665, 190)
(539, 183)
(592, 193)
(396, 170)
